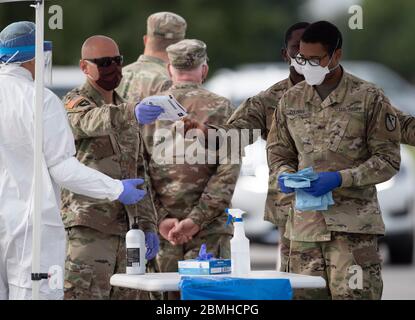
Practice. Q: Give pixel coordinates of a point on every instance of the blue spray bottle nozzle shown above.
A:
(234, 215)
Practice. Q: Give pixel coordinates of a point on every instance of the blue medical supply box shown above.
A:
(205, 267)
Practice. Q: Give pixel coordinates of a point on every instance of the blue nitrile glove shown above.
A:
(326, 182)
(203, 255)
(152, 244)
(146, 114)
(131, 194)
(282, 186)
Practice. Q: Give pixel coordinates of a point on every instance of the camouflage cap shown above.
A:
(167, 25)
(187, 54)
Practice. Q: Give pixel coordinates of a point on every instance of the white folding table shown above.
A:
(169, 281)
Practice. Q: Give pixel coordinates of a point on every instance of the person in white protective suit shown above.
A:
(60, 169)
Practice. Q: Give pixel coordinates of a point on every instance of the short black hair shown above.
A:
(325, 33)
(294, 27)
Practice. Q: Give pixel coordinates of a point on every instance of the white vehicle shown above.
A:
(396, 196)
(64, 79)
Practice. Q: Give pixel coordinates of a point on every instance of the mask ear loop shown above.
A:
(335, 48)
(8, 60)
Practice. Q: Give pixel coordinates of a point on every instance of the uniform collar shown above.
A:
(289, 83)
(146, 58)
(186, 85)
(17, 71)
(335, 97)
(94, 95)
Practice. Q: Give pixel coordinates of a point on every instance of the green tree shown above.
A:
(236, 31)
(387, 35)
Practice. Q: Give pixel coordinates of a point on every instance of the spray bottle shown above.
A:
(241, 260)
(136, 250)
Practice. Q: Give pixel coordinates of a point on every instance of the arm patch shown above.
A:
(77, 101)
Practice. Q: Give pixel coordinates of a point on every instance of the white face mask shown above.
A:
(298, 68)
(315, 75)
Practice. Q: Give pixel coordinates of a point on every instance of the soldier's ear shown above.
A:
(169, 66)
(205, 71)
(145, 39)
(338, 55)
(284, 55)
(83, 66)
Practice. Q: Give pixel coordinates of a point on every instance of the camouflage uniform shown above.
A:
(148, 75)
(107, 139)
(143, 78)
(354, 131)
(257, 113)
(407, 123)
(197, 191)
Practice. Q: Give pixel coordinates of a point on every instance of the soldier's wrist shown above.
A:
(347, 178)
(147, 226)
(196, 219)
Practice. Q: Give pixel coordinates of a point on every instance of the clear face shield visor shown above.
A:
(16, 56)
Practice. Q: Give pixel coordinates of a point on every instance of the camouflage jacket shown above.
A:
(107, 139)
(198, 191)
(407, 123)
(354, 131)
(257, 113)
(143, 78)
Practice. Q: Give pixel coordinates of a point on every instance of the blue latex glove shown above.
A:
(152, 245)
(326, 182)
(146, 114)
(203, 255)
(282, 186)
(131, 194)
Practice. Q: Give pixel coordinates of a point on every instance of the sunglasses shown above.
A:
(107, 61)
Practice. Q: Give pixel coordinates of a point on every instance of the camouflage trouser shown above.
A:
(350, 264)
(92, 258)
(284, 249)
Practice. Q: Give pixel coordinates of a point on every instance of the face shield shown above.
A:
(47, 51)
(20, 55)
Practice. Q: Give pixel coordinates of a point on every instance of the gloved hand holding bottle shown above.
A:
(146, 114)
(152, 245)
(326, 182)
(131, 194)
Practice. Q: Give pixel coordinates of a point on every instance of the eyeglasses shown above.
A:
(315, 61)
(107, 61)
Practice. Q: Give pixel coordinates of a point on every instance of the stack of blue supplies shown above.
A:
(303, 200)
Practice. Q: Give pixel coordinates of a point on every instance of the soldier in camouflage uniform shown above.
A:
(346, 129)
(257, 113)
(107, 139)
(191, 198)
(148, 75)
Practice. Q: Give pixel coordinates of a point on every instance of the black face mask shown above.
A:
(109, 77)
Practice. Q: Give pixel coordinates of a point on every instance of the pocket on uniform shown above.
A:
(301, 133)
(102, 147)
(366, 256)
(347, 137)
(77, 276)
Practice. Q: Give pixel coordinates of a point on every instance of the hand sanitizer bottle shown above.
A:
(241, 260)
(136, 250)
